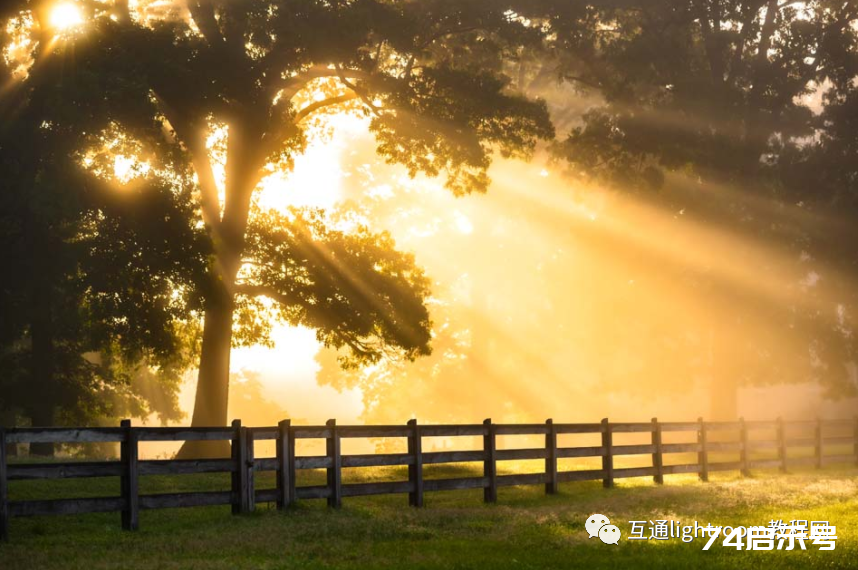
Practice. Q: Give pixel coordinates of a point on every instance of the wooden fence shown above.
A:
(243, 464)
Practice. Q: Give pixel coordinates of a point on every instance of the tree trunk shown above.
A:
(45, 390)
(212, 396)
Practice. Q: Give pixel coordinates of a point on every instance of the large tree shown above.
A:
(428, 73)
(89, 305)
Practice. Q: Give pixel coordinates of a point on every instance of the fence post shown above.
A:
(239, 474)
(335, 471)
(702, 455)
(4, 496)
(285, 463)
(249, 467)
(550, 458)
(490, 468)
(657, 457)
(855, 440)
(743, 453)
(781, 435)
(818, 446)
(129, 484)
(415, 470)
(608, 456)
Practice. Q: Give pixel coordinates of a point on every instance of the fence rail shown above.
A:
(243, 464)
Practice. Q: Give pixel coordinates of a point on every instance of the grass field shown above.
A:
(525, 529)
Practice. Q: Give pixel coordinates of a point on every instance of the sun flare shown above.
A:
(66, 16)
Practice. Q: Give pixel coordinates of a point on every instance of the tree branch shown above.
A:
(313, 107)
(295, 83)
(195, 142)
(362, 93)
(202, 11)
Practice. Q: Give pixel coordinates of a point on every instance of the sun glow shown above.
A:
(66, 16)
(316, 179)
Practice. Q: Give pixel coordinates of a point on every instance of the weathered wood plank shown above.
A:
(265, 464)
(608, 457)
(631, 427)
(678, 426)
(454, 484)
(313, 462)
(765, 463)
(285, 461)
(453, 430)
(724, 445)
(801, 460)
(743, 453)
(841, 423)
(311, 432)
(373, 431)
(643, 449)
(840, 458)
(680, 448)
(817, 450)
(626, 472)
(335, 471)
(265, 496)
(762, 444)
(551, 487)
(521, 479)
(379, 460)
(722, 426)
(65, 506)
(130, 480)
(490, 466)
(453, 456)
(249, 465)
(185, 466)
(4, 490)
(238, 473)
(801, 442)
(581, 475)
(264, 433)
(758, 425)
(589, 451)
(657, 454)
(24, 471)
(702, 455)
(184, 433)
(838, 440)
(519, 454)
(578, 428)
(313, 492)
(520, 429)
(726, 466)
(64, 435)
(675, 469)
(415, 464)
(391, 488)
(183, 500)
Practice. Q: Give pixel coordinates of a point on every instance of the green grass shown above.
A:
(525, 529)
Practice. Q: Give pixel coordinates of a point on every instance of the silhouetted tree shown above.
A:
(429, 73)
